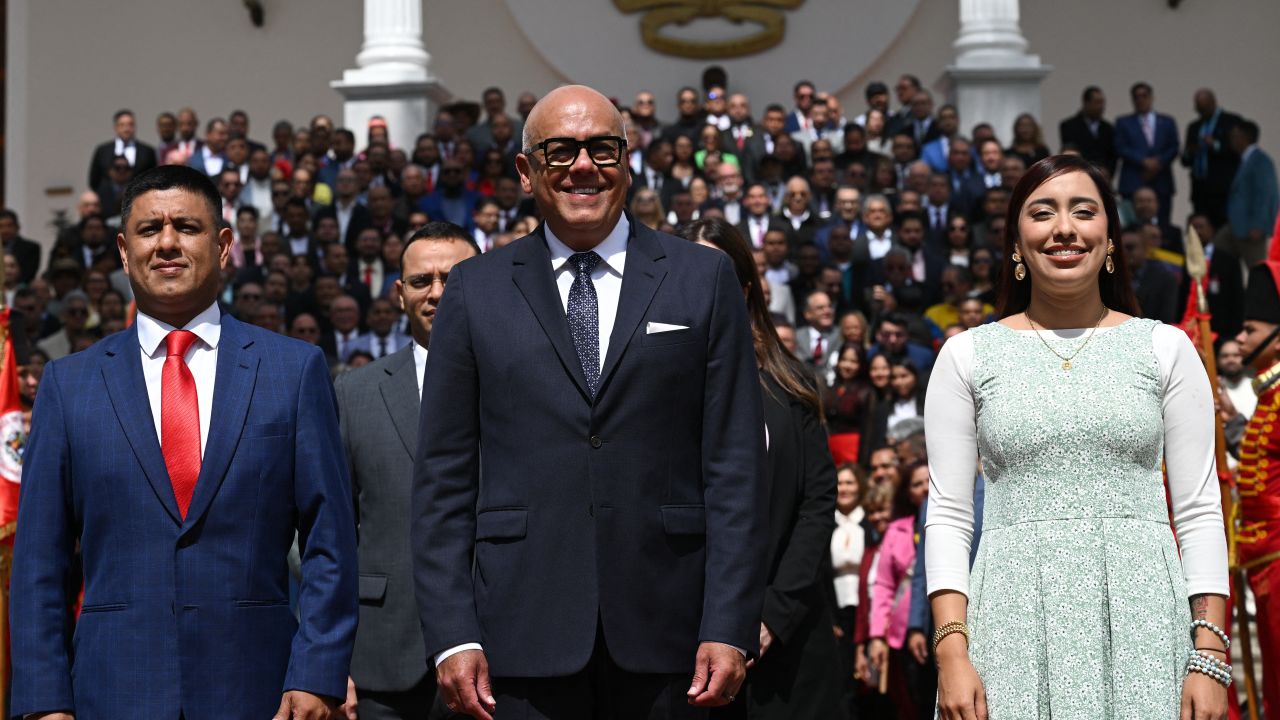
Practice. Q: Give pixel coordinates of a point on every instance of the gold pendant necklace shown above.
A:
(1066, 359)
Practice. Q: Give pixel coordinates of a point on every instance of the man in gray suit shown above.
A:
(378, 412)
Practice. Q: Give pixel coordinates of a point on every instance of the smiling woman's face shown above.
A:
(1062, 233)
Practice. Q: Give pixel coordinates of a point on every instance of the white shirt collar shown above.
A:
(419, 364)
(207, 326)
(612, 250)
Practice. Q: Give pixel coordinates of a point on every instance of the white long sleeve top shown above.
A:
(1187, 409)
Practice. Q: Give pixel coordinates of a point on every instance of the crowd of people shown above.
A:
(878, 233)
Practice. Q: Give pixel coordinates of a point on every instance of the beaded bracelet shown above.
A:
(1226, 641)
(948, 629)
(1208, 665)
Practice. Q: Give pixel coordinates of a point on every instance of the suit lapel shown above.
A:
(127, 388)
(400, 394)
(531, 272)
(644, 273)
(233, 386)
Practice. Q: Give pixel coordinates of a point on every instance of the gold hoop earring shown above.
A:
(1019, 270)
(1111, 263)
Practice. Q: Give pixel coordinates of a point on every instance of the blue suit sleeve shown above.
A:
(446, 479)
(735, 491)
(919, 617)
(1126, 142)
(1169, 147)
(321, 653)
(47, 531)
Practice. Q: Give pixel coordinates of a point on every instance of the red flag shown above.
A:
(13, 434)
(1190, 323)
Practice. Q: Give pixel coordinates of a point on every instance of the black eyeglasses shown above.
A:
(603, 150)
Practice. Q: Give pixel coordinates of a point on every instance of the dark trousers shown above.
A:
(414, 703)
(846, 618)
(600, 691)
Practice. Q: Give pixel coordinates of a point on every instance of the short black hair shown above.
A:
(910, 215)
(121, 113)
(344, 132)
(170, 177)
(803, 83)
(1089, 92)
(248, 210)
(775, 107)
(439, 230)
(166, 114)
(493, 90)
(1249, 129)
(11, 215)
(484, 201)
(897, 317)
(1140, 85)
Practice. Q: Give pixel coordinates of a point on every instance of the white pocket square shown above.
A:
(654, 328)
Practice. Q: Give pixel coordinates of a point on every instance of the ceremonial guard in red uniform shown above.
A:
(1258, 540)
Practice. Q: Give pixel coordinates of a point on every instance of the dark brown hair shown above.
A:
(774, 359)
(902, 505)
(1115, 288)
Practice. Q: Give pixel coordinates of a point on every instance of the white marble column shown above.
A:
(994, 79)
(392, 77)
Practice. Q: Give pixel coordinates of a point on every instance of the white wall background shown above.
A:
(71, 64)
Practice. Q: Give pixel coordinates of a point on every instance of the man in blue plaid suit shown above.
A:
(181, 456)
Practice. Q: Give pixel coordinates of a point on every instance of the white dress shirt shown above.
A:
(343, 212)
(377, 276)
(299, 245)
(202, 358)
(607, 276)
(848, 543)
(419, 365)
(879, 245)
(129, 150)
(758, 225)
(342, 342)
(212, 163)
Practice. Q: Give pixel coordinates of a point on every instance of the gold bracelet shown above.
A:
(949, 629)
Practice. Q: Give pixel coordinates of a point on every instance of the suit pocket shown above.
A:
(511, 524)
(266, 430)
(373, 588)
(670, 337)
(103, 607)
(684, 519)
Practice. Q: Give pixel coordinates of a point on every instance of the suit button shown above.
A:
(596, 442)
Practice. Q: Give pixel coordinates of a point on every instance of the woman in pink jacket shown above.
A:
(891, 596)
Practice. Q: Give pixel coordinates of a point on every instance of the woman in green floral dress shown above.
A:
(1080, 604)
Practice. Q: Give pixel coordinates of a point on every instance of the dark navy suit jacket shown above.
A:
(183, 617)
(1133, 148)
(644, 510)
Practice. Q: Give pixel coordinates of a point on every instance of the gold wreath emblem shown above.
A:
(658, 14)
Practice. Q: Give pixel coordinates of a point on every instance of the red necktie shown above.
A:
(180, 419)
(368, 276)
(817, 351)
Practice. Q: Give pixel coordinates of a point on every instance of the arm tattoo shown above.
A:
(1199, 607)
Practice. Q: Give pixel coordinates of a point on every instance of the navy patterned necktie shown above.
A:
(584, 317)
